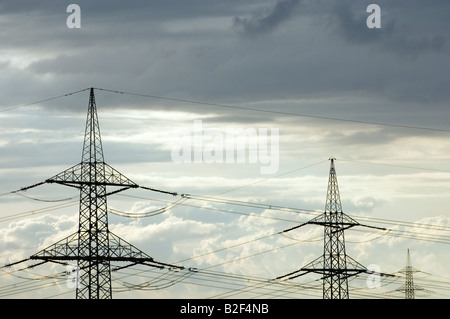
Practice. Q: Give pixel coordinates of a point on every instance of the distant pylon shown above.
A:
(409, 284)
(93, 246)
(334, 265)
(409, 288)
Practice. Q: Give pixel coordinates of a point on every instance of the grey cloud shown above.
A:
(24, 234)
(336, 55)
(267, 21)
(402, 25)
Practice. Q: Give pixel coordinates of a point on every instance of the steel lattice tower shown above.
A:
(334, 265)
(93, 246)
(409, 288)
(409, 284)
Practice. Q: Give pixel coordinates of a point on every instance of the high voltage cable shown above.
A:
(28, 284)
(220, 280)
(247, 288)
(249, 256)
(204, 270)
(240, 203)
(241, 288)
(399, 234)
(231, 107)
(298, 210)
(216, 282)
(37, 211)
(240, 258)
(306, 211)
(230, 202)
(45, 200)
(272, 111)
(260, 287)
(41, 101)
(147, 214)
(216, 277)
(397, 166)
(26, 287)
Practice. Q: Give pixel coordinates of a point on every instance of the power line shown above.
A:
(37, 211)
(294, 210)
(41, 101)
(274, 112)
(397, 166)
(232, 107)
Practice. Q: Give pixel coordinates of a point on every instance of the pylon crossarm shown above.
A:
(326, 272)
(374, 227)
(324, 220)
(335, 226)
(162, 265)
(155, 264)
(293, 228)
(101, 258)
(121, 250)
(158, 190)
(74, 185)
(339, 227)
(118, 190)
(291, 275)
(342, 273)
(24, 268)
(65, 249)
(24, 189)
(72, 174)
(408, 269)
(404, 288)
(351, 263)
(78, 184)
(315, 264)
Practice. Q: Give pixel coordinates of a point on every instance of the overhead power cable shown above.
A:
(274, 112)
(397, 166)
(42, 101)
(180, 100)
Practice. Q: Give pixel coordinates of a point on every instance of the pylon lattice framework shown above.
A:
(409, 288)
(334, 265)
(93, 246)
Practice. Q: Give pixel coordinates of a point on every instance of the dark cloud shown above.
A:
(268, 21)
(402, 30)
(326, 50)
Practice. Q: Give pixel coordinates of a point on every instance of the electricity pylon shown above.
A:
(409, 288)
(93, 246)
(334, 265)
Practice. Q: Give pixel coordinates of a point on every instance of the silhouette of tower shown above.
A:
(409, 288)
(334, 265)
(93, 246)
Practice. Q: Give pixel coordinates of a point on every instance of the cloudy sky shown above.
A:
(309, 71)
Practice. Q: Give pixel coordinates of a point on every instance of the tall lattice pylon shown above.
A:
(409, 288)
(334, 265)
(93, 246)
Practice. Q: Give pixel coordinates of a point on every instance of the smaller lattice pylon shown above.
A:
(334, 265)
(409, 288)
